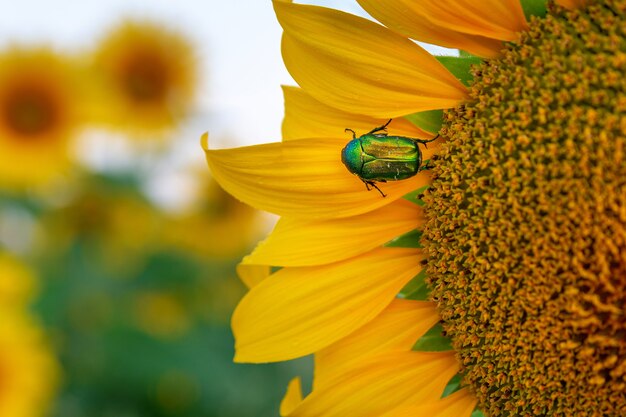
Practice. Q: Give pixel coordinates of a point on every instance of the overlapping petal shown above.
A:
(298, 311)
(251, 275)
(360, 67)
(459, 404)
(476, 27)
(301, 179)
(380, 383)
(396, 329)
(572, 4)
(305, 117)
(292, 398)
(301, 242)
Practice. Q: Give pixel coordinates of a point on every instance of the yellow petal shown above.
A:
(297, 242)
(302, 179)
(382, 383)
(397, 329)
(292, 398)
(361, 67)
(426, 21)
(297, 311)
(17, 284)
(306, 117)
(459, 404)
(495, 19)
(572, 4)
(251, 275)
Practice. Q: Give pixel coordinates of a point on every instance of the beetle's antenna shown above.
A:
(350, 130)
(378, 129)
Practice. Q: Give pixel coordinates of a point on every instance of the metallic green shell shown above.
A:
(382, 158)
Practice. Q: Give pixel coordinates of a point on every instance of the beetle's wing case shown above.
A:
(389, 158)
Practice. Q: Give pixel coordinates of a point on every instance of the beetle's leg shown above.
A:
(425, 166)
(424, 142)
(350, 130)
(379, 190)
(369, 184)
(382, 128)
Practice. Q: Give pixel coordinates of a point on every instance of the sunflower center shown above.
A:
(145, 79)
(29, 112)
(526, 229)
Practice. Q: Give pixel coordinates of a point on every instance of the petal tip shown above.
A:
(292, 398)
(204, 141)
(238, 359)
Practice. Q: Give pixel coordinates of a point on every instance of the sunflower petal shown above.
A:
(297, 242)
(571, 4)
(298, 311)
(251, 275)
(306, 117)
(476, 27)
(301, 179)
(459, 404)
(361, 67)
(381, 383)
(292, 398)
(395, 329)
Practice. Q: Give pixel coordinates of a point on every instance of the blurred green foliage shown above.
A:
(135, 299)
(145, 333)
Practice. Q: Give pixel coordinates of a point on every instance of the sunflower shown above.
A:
(39, 113)
(492, 283)
(16, 283)
(229, 227)
(109, 213)
(146, 78)
(162, 315)
(28, 369)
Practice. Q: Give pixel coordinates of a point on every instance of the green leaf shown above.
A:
(433, 341)
(477, 413)
(413, 196)
(416, 289)
(534, 8)
(407, 240)
(453, 385)
(460, 66)
(465, 54)
(430, 121)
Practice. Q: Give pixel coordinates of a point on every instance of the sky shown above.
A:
(237, 46)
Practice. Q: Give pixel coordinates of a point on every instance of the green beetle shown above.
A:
(376, 157)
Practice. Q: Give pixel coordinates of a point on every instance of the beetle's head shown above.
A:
(352, 156)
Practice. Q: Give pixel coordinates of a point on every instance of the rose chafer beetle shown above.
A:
(376, 157)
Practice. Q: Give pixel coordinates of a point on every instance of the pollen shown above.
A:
(526, 221)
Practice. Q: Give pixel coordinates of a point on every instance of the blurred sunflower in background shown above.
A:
(230, 224)
(40, 96)
(28, 368)
(17, 285)
(145, 77)
(136, 304)
(107, 212)
(493, 283)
